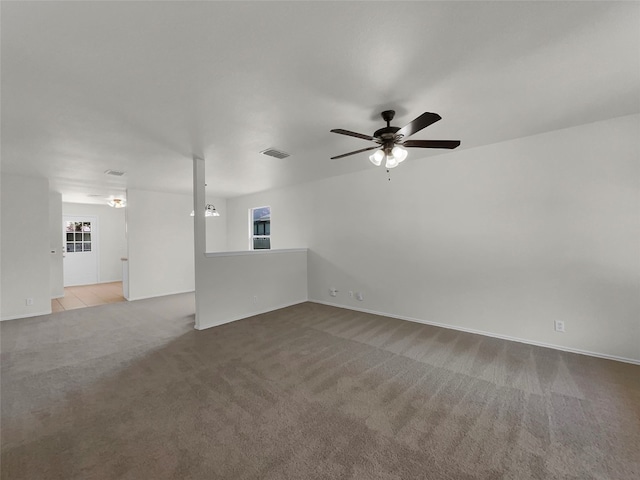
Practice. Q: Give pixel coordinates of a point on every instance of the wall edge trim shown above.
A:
(237, 253)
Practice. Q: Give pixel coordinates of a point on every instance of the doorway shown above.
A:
(88, 296)
(80, 250)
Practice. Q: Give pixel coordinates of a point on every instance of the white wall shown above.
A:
(112, 241)
(160, 243)
(25, 262)
(502, 239)
(234, 286)
(216, 227)
(56, 273)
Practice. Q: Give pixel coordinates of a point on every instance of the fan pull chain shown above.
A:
(389, 174)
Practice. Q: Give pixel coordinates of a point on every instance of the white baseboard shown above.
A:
(26, 315)
(131, 299)
(485, 333)
(100, 282)
(251, 314)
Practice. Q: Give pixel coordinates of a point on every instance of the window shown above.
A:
(78, 236)
(260, 228)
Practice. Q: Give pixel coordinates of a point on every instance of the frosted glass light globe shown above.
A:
(376, 157)
(399, 153)
(391, 162)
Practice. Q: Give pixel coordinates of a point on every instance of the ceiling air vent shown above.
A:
(272, 152)
(114, 172)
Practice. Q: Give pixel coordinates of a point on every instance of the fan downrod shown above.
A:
(388, 133)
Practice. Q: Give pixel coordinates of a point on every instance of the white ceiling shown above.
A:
(142, 86)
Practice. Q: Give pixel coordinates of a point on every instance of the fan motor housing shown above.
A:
(386, 133)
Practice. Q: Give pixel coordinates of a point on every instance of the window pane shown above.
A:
(70, 247)
(69, 237)
(261, 243)
(86, 247)
(86, 237)
(263, 213)
(261, 219)
(78, 237)
(86, 227)
(69, 227)
(78, 226)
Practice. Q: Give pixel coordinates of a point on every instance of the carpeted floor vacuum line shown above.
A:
(132, 391)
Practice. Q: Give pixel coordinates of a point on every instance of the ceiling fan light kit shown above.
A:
(392, 158)
(392, 142)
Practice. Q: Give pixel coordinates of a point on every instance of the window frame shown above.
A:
(251, 235)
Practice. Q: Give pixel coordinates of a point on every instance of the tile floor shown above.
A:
(88, 296)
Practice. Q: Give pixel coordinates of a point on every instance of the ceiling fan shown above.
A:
(392, 141)
(112, 201)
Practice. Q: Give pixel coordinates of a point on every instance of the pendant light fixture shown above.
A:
(209, 211)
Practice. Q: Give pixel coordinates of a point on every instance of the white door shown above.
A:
(80, 250)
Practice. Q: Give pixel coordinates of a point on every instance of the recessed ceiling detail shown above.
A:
(115, 173)
(272, 152)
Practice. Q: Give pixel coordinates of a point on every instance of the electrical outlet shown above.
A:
(350, 293)
(559, 325)
(333, 292)
(255, 299)
(28, 302)
(359, 296)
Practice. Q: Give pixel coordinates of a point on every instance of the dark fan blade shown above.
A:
(431, 143)
(353, 153)
(424, 120)
(352, 134)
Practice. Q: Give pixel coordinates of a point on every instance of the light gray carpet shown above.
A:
(131, 391)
